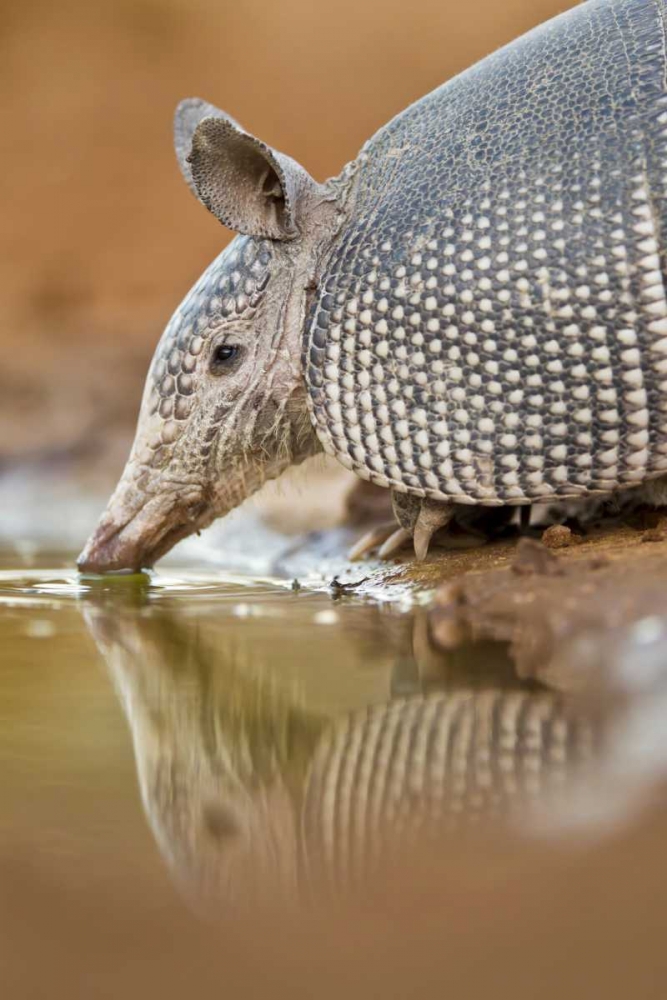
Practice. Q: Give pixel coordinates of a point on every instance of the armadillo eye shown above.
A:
(222, 357)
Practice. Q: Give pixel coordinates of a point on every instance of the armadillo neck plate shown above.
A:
(492, 322)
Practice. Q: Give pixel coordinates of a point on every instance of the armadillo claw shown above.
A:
(376, 536)
(395, 542)
(430, 518)
(421, 540)
(427, 517)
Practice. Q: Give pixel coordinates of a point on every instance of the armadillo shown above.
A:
(472, 314)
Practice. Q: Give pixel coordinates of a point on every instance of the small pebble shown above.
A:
(558, 536)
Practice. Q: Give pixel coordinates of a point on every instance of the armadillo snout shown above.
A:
(113, 547)
(131, 543)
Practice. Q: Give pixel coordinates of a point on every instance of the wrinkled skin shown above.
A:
(225, 404)
(209, 435)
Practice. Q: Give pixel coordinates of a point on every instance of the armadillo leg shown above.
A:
(432, 516)
(376, 536)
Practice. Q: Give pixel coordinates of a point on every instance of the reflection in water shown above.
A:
(220, 751)
(431, 765)
(250, 790)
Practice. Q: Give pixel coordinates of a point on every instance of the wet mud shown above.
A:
(538, 597)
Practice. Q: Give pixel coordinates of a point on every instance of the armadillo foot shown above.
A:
(376, 536)
(418, 518)
(396, 541)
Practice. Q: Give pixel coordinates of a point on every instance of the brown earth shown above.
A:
(555, 610)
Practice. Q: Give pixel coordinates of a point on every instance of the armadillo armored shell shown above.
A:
(491, 326)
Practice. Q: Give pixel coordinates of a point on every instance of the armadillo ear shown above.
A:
(248, 186)
(187, 116)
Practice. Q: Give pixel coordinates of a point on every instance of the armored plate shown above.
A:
(491, 326)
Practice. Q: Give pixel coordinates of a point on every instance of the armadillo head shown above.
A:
(225, 402)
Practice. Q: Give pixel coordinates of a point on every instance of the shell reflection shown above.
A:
(251, 791)
(432, 765)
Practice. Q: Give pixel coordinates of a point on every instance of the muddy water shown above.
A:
(198, 745)
(254, 736)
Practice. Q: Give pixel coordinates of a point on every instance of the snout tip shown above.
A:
(133, 539)
(107, 551)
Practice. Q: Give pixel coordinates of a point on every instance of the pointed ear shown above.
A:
(187, 116)
(248, 186)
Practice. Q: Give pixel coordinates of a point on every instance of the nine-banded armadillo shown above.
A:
(472, 313)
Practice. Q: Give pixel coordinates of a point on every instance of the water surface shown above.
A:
(210, 776)
(251, 736)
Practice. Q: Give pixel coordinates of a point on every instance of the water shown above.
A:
(246, 711)
(198, 746)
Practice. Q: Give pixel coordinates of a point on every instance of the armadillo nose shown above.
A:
(110, 549)
(134, 536)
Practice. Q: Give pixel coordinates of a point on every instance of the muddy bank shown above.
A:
(541, 599)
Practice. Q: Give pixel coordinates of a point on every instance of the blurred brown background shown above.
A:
(100, 237)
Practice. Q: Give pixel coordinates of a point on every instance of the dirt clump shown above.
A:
(537, 600)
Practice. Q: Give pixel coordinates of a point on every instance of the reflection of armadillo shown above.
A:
(432, 764)
(248, 794)
(472, 313)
